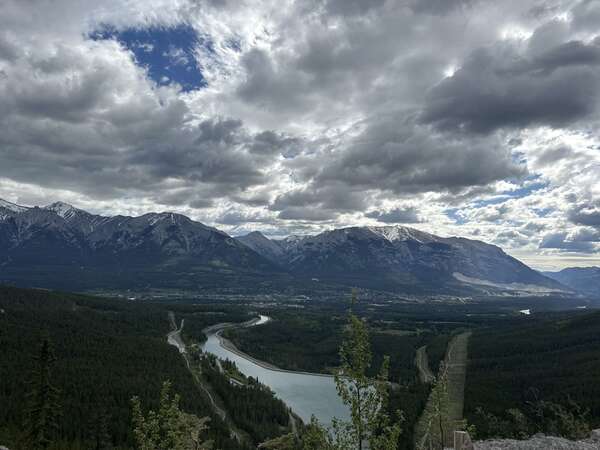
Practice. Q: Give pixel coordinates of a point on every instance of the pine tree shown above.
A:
(98, 431)
(43, 411)
(366, 397)
(285, 442)
(436, 415)
(169, 428)
(315, 437)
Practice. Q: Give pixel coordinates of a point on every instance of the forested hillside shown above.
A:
(106, 352)
(534, 364)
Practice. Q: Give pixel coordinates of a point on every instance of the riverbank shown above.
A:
(218, 329)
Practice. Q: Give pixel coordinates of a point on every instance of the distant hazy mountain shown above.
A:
(581, 279)
(399, 256)
(60, 245)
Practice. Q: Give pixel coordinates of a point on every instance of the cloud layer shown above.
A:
(461, 117)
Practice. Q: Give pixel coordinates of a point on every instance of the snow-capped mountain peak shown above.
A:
(400, 233)
(62, 209)
(12, 206)
(295, 238)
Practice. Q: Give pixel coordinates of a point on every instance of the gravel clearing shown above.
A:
(541, 442)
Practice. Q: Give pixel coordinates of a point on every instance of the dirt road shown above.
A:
(174, 339)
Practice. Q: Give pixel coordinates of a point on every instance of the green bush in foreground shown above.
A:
(169, 428)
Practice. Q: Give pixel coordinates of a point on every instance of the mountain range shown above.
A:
(582, 279)
(399, 256)
(62, 246)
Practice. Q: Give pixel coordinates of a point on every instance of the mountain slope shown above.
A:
(398, 256)
(582, 279)
(270, 249)
(62, 246)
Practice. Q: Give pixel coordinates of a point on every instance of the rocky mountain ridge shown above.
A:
(397, 254)
(60, 241)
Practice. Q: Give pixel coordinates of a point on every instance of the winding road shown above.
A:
(174, 339)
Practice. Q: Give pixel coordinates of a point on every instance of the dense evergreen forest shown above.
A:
(538, 373)
(525, 374)
(106, 352)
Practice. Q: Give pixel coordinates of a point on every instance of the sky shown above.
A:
(475, 118)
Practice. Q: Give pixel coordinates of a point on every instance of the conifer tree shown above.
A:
(98, 431)
(365, 396)
(169, 428)
(43, 410)
(285, 442)
(436, 415)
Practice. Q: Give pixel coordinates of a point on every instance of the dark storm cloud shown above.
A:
(352, 7)
(561, 241)
(260, 198)
(214, 152)
(65, 126)
(586, 15)
(511, 237)
(572, 53)
(553, 155)
(396, 215)
(405, 157)
(195, 198)
(396, 155)
(236, 217)
(269, 143)
(266, 87)
(532, 228)
(307, 213)
(331, 64)
(588, 215)
(587, 235)
(319, 203)
(498, 87)
(9, 50)
(439, 7)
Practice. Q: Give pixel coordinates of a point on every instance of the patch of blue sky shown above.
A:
(495, 200)
(167, 53)
(527, 190)
(455, 214)
(543, 212)
(531, 185)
